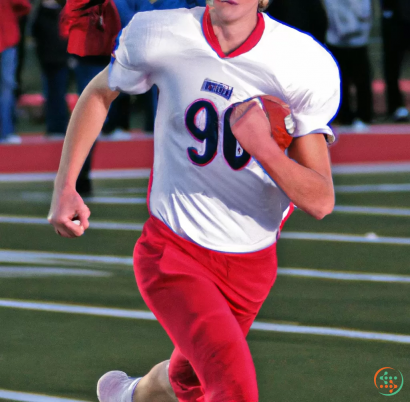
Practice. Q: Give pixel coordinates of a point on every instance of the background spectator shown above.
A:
(348, 38)
(396, 40)
(52, 54)
(10, 12)
(21, 53)
(91, 27)
(306, 15)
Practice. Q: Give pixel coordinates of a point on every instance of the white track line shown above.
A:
(29, 272)
(38, 257)
(26, 177)
(343, 276)
(121, 174)
(95, 174)
(44, 197)
(93, 225)
(52, 258)
(26, 397)
(372, 210)
(345, 238)
(373, 188)
(27, 220)
(116, 200)
(339, 332)
(367, 168)
(335, 237)
(261, 326)
(128, 190)
(75, 309)
(23, 271)
(144, 173)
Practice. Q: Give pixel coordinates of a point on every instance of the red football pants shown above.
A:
(206, 301)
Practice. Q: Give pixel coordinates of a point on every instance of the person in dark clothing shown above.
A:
(347, 38)
(396, 41)
(53, 58)
(85, 69)
(91, 27)
(21, 55)
(54, 61)
(305, 15)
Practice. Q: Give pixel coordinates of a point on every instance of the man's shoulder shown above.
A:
(295, 43)
(295, 52)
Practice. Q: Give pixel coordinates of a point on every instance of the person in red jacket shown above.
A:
(10, 11)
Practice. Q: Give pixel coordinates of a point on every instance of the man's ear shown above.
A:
(264, 4)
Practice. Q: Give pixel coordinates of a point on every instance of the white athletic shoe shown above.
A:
(116, 386)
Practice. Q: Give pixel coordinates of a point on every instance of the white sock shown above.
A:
(116, 386)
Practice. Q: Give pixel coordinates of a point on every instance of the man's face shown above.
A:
(233, 10)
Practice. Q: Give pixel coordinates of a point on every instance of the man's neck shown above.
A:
(233, 34)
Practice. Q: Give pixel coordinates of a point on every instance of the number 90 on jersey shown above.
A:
(202, 122)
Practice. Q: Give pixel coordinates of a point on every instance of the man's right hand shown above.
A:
(67, 206)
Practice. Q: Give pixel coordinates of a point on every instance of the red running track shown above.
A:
(384, 143)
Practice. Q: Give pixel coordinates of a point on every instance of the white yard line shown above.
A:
(335, 237)
(121, 174)
(45, 197)
(372, 210)
(373, 188)
(144, 173)
(39, 257)
(116, 200)
(261, 326)
(93, 225)
(51, 258)
(30, 272)
(26, 397)
(370, 168)
(76, 309)
(23, 271)
(343, 276)
(339, 332)
(128, 190)
(371, 238)
(95, 174)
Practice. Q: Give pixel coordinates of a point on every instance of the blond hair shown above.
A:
(263, 5)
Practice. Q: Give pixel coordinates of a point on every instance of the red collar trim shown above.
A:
(249, 44)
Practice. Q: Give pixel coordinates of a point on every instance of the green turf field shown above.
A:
(62, 354)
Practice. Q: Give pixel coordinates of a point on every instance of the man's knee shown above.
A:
(229, 373)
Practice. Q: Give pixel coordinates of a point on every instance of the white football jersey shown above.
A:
(205, 187)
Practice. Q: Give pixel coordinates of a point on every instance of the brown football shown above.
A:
(279, 116)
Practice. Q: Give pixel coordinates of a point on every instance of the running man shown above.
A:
(220, 186)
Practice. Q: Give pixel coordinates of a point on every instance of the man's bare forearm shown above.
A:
(85, 125)
(308, 189)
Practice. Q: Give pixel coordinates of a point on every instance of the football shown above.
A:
(279, 116)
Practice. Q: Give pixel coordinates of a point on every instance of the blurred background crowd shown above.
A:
(368, 38)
